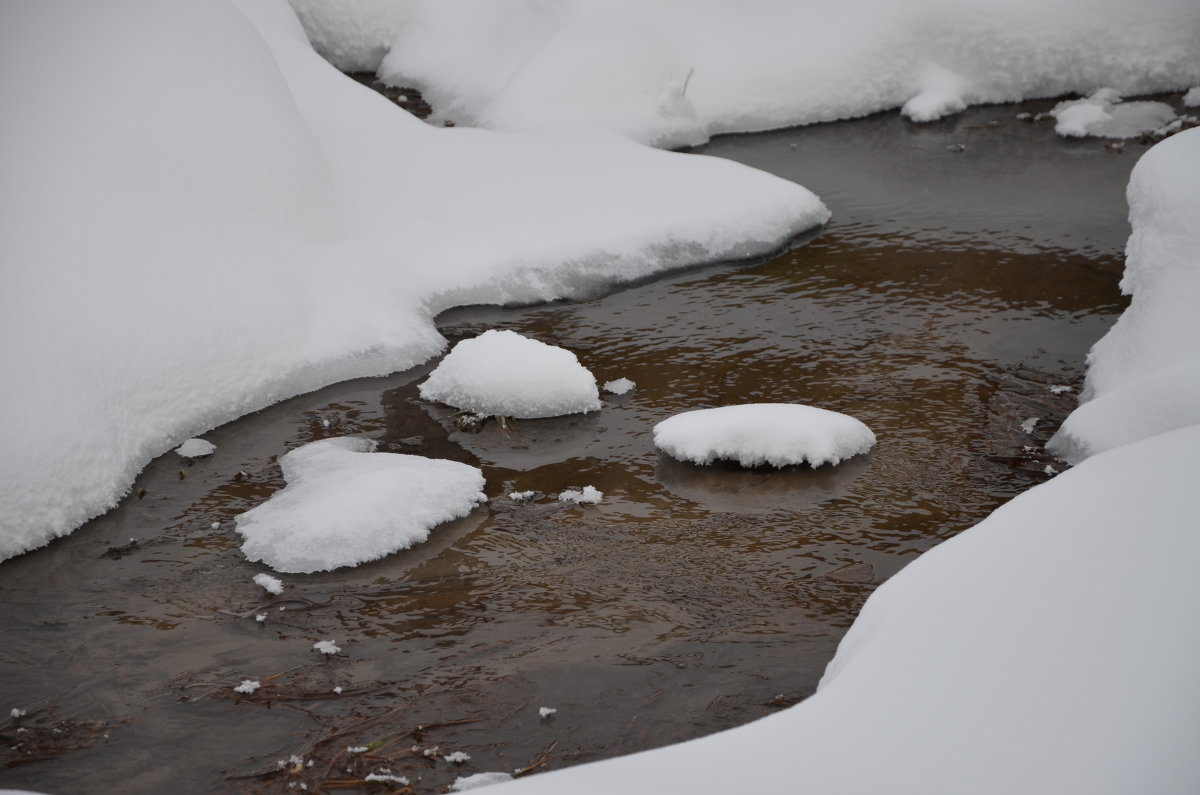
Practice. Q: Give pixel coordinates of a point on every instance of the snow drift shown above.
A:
(672, 72)
(194, 236)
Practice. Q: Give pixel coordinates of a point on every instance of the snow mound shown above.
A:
(502, 373)
(1144, 374)
(200, 261)
(1105, 115)
(196, 448)
(588, 495)
(619, 386)
(670, 71)
(345, 505)
(779, 434)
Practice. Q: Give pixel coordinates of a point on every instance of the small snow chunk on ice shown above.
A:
(338, 690)
(521, 496)
(546, 712)
(1029, 424)
(588, 495)
(345, 505)
(457, 758)
(248, 686)
(1192, 98)
(215, 525)
(327, 647)
(17, 712)
(401, 780)
(357, 749)
(779, 434)
(503, 374)
(261, 617)
(620, 386)
(464, 783)
(272, 585)
(195, 448)
(1059, 389)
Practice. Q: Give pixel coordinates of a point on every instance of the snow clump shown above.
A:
(521, 496)
(505, 374)
(457, 758)
(620, 386)
(1030, 424)
(464, 783)
(272, 585)
(546, 712)
(388, 777)
(779, 434)
(17, 712)
(327, 647)
(1104, 115)
(195, 448)
(588, 495)
(248, 686)
(345, 505)
(1192, 98)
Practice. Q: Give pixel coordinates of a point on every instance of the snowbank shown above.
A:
(193, 237)
(1144, 375)
(345, 504)
(505, 374)
(1050, 649)
(779, 434)
(672, 72)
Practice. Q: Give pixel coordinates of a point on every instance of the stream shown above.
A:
(969, 266)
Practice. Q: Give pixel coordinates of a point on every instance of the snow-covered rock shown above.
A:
(1144, 375)
(670, 72)
(196, 448)
(345, 505)
(164, 276)
(1105, 115)
(779, 434)
(505, 374)
(977, 667)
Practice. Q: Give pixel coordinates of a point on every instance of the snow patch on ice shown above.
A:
(588, 495)
(464, 783)
(326, 647)
(1105, 115)
(196, 448)
(272, 585)
(505, 374)
(345, 505)
(545, 712)
(457, 757)
(779, 434)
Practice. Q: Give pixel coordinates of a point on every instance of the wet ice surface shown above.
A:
(952, 292)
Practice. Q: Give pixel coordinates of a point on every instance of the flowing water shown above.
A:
(951, 291)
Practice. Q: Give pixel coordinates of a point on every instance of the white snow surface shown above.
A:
(779, 434)
(673, 72)
(977, 667)
(195, 237)
(272, 585)
(503, 373)
(1105, 114)
(195, 448)
(1144, 375)
(464, 783)
(344, 505)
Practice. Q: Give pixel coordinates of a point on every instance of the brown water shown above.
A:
(949, 293)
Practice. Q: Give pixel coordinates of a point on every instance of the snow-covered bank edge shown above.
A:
(170, 275)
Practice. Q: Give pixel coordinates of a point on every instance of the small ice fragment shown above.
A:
(195, 448)
(248, 686)
(589, 495)
(521, 496)
(1029, 424)
(215, 525)
(1059, 389)
(338, 690)
(401, 780)
(620, 386)
(261, 617)
(328, 647)
(546, 712)
(457, 758)
(464, 783)
(272, 585)
(18, 712)
(357, 749)
(1049, 470)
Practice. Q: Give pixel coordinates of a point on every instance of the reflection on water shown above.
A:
(936, 308)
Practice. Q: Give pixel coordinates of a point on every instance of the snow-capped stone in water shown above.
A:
(502, 373)
(779, 434)
(1104, 115)
(346, 505)
(272, 585)
(326, 647)
(464, 783)
(620, 386)
(195, 448)
(588, 495)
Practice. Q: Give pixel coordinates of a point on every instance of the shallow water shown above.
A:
(951, 291)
